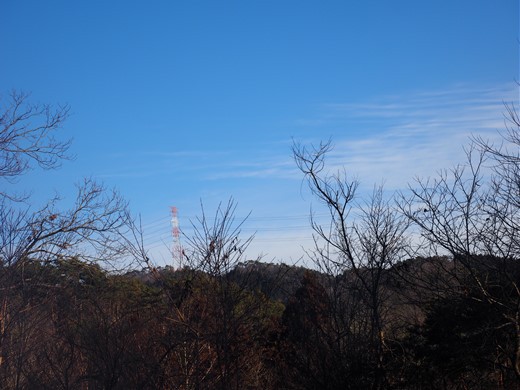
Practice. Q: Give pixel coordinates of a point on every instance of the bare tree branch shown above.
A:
(92, 228)
(27, 135)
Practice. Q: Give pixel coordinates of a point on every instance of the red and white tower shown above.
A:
(176, 248)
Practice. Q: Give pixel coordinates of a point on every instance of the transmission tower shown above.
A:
(176, 248)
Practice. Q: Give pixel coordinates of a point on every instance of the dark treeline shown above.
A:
(414, 290)
(71, 325)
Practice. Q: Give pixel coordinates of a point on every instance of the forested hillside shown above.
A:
(69, 324)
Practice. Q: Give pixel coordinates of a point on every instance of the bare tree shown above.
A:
(96, 228)
(213, 315)
(362, 240)
(216, 247)
(451, 209)
(471, 213)
(91, 228)
(503, 204)
(27, 135)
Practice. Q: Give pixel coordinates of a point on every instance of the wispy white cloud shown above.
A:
(391, 138)
(161, 163)
(259, 167)
(397, 138)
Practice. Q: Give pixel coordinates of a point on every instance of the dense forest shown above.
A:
(413, 290)
(69, 324)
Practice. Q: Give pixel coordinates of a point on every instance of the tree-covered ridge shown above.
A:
(71, 324)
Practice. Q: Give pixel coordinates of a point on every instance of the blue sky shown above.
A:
(177, 102)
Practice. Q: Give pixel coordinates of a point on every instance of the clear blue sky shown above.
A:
(176, 102)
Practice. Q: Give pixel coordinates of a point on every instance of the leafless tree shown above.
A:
(503, 203)
(95, 228)
(211, 314)
(451, 209)
(216, 249)
(216, 246)
(471, 213)
(362, 240)
(90, 229)
(27, 135)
